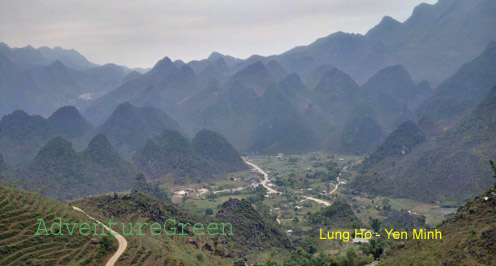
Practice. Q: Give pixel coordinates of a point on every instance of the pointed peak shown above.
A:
(292, 83)
(19, 114)
(253, 69)
(131, 76)
(68, 109)
(179, 63)
(101, 151)
(165, 60)
(56, 147)
(388, 19)
(215, 56)
(336, 80)
(29, 47)
(292, 78)
(165, 63)
(100, 142)
(386, 25)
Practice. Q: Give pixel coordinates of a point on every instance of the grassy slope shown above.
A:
(19, 212)
(469, 238)
(451, 168)
(163, 250)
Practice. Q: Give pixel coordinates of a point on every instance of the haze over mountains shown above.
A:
(65, 153)
(451, 167)
(388, 130)
(343, 93)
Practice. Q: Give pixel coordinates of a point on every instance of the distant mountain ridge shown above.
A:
(129, 127)
(438, 37)
(46, 79)
(394, 66)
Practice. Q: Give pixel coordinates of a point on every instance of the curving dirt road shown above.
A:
(271, 190)
(266, 177)
(325, 203)
(120, 240)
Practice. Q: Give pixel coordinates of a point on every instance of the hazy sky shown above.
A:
(138, 33)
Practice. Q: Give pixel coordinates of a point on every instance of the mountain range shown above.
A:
(68, 174)
(390, 69)
(449, 168)
(343, 93)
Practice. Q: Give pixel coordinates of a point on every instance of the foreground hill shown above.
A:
(20, 246)
(449, 168)
(251, 232)
(468, 238)
(68, 174)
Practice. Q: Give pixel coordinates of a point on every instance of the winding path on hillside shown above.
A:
(271, 190)
(120, 240)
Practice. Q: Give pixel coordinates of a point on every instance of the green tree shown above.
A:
(385, 205)
(375, 247)
(375, 224)
(239, 262)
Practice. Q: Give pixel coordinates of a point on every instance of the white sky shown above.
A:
(139, 33)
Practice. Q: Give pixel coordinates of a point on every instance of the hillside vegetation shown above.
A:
(19, 245)
(68, 174)
(172, 157)
(129, 127)
(450, 168)
(251, 231)
(468, 238)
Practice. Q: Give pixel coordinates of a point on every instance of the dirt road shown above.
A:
(266, 177)
(120, 240)
(271, 190)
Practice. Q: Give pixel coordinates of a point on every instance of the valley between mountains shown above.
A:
(390, 129)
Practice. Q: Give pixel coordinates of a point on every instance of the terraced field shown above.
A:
(19, 245)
